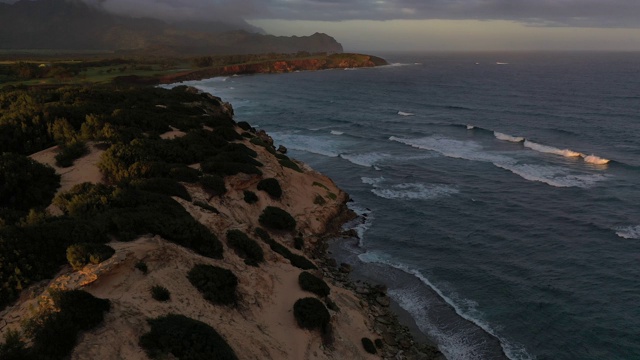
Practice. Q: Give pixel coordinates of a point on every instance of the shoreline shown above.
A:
(396, 327)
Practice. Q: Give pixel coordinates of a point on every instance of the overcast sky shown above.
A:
(422, 24)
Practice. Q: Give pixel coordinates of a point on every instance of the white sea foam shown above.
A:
(456, 348)
(592, 159)
(470, 127)
(402, 113)
(454, 344)
(365, 159)
(553, 175)
(362, 223)
(414, 191)
(408, 191)
(372, 181)
(629, 232)
(469, 150)
(505, 137)
(313, 144)
(550, 149)
(335, 132)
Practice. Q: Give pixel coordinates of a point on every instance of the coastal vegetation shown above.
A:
(160, 293)
(184, 338)
(271, 186)
(82, 254)
(217, 285)
(314, 284)
(275, 218)
(245, 247)
(310, 313)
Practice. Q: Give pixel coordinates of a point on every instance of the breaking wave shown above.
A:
(469, 150)
(408, 191)
(402, 113)
(456, 345)
(505, 137)
(550, 149)
(365, 159)
(629, 232)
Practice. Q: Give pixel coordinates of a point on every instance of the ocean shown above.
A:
(498, 193)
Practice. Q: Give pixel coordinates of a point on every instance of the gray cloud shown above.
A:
(587, 13)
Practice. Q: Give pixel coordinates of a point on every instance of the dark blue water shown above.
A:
(502, 201)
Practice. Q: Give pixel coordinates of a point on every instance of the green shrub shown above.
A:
(213, 184)
(301, 262)
(379, 343)
(298, 243)
(13, 347)
(229, 168)
(185, 174)
(310, 313)
(81, 254)
(298, 261)
(26, 183)
(315, 183)
(319, 200)
(278, 219)
(311, 283)
(160, 293)
(69, 153)
(368, 346)
(332, 196)
(142, 266)
(184, 338)
(244, 125)
(216, 284)
(204, 205)
(260, 142)
(57, 332)
(245, 247)
(162, 186)
(290, 164)
(250, 197)
(271, 186)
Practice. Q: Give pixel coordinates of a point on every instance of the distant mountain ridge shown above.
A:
(74, 25)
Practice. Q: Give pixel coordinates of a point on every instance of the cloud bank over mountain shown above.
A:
(580, 13)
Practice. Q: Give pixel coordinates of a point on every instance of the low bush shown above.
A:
(368, 346)
(271, 186)
(69, 153)
(216, 284)
(250, 197)
(160, 293)
(275, 218)
(310, 313)
(319, 200)
(185, 174)
(290, 164)
(244, 125)
(184, 338)
(298, 243)
(379, 343)
(56, 332)
(142, 266)
(81, 254)
(245, 247)
(311, 283)
(162, 186)
(204, 205)
(229, 168)
(213, 184)
(260, 142)
(296, 260)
